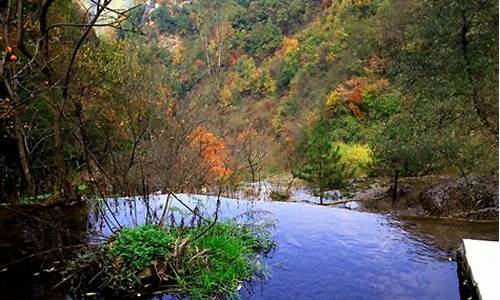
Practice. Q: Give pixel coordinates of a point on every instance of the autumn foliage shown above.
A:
(212, 150)
(351, 93)
(288, 45)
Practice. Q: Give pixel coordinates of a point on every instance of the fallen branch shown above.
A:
(351, 200)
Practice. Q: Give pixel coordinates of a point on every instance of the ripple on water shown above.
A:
(329, 253)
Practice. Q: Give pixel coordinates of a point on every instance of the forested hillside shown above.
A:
(183, 95)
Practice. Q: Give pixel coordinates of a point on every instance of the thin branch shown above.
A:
(38, 254)
(77, 47)
(215, 218)
(186, 206)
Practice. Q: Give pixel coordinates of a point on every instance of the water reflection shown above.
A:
(447, 234)
(34, 241)
(322, 253)
(330, 253)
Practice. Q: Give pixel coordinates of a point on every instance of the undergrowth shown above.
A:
(178, 260)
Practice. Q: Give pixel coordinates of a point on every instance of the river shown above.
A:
(322, 252)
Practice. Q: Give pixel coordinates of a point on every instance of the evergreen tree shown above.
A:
(322, 167)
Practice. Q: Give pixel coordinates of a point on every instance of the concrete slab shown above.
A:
(482, 258)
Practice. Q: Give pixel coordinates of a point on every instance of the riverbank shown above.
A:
(427, 196)
(432, 196)
(365, 254)
(198, 260)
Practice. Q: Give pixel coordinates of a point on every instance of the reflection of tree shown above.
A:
(34, 239)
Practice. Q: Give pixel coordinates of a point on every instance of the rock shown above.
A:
(375, 191)
(279, 196)
(457, 197)
(334, 195)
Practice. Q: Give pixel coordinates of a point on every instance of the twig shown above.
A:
(165, 209)
(189, 208)
(215, 219)
(38, 254)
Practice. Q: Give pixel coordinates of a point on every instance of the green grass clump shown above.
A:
(203, 262)
(231, 259)
(140, 246)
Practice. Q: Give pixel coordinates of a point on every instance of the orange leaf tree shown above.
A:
(213, 154)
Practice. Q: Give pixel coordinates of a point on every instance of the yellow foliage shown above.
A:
(362, 2)
(227, 96)
(240, 84)
(332, 100)
(177, 54)
(288, 45)
(268, 85)
(255, 75)
(357, 157)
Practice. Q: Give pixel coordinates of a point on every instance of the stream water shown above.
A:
(322, 252)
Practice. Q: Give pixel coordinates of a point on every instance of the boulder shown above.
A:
(462, 198)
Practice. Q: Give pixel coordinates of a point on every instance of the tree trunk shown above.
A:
(207, 53)
(62, 184)
(321, 183)
(289, 186)
(21, 141)
(252, 170)
(23, 156)
(395, 192)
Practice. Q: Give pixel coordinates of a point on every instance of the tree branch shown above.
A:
(77, 47)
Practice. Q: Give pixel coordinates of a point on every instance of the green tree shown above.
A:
(446, 62)
(399, 150)
(322, 167)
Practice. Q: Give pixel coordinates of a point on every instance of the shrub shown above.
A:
(356, 157)
(141, 245)
(149, 258)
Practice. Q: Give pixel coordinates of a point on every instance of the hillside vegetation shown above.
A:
(189, 94)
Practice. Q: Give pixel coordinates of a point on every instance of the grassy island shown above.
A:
(202, 261)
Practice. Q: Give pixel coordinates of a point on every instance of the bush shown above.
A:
(149, 258)
(141, 245)
(279, 196)
(356, 157)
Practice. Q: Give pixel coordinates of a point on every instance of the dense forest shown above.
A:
(185, 95)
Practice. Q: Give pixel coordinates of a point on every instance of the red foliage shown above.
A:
(383, 83)
(233, 59)
(247, 135)
(353, 92)
(199, 63)
(212, 151)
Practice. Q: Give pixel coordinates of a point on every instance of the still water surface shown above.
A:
(322, 252)
(330, 253)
